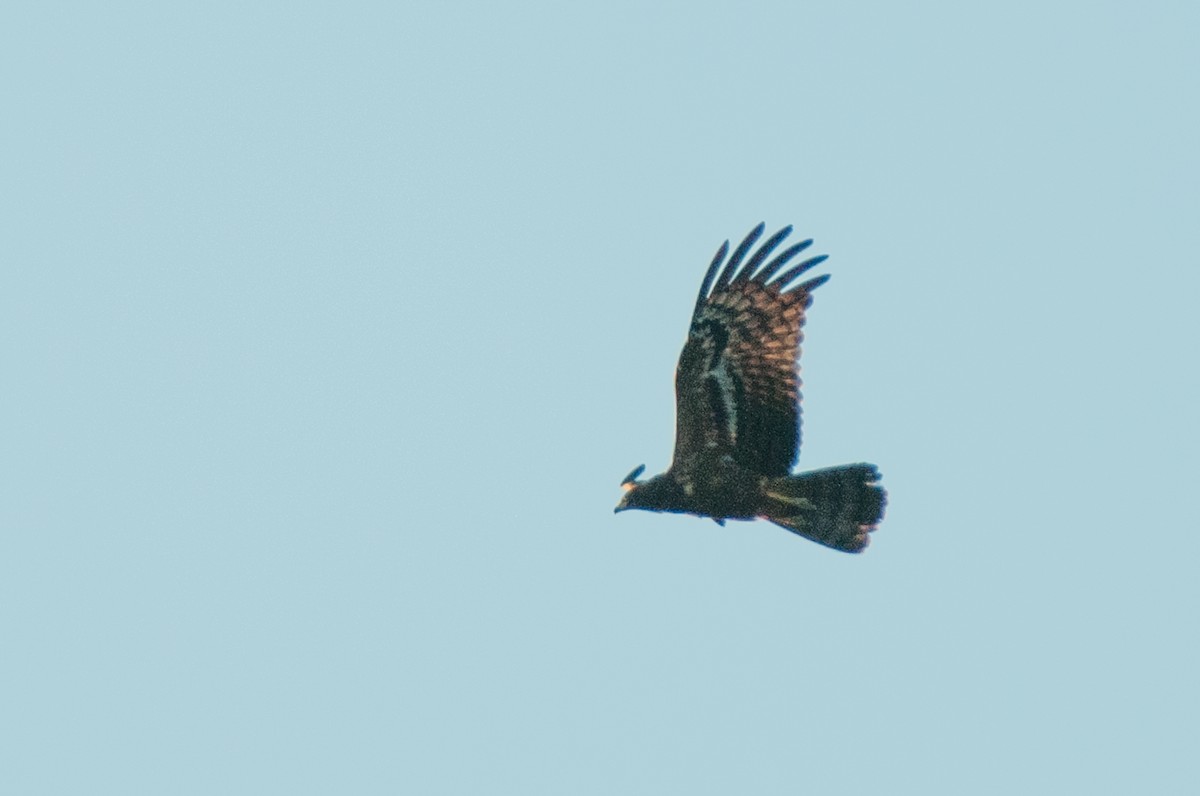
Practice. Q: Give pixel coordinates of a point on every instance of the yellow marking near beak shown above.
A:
(628, 485)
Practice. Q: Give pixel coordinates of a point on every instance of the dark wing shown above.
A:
(737, 386)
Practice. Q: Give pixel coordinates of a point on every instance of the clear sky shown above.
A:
(328, 332)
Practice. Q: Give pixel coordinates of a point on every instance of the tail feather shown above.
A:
(837, 507)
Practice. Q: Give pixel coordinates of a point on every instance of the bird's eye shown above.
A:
(631, 480)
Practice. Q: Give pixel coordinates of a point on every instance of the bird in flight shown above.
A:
(737, 410)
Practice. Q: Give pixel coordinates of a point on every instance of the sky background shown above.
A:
(328, 331)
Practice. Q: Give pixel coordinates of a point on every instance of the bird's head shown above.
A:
(653, 494)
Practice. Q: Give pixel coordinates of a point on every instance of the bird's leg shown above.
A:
(793, 500)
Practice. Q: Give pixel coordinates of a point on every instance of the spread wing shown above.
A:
(737, 386)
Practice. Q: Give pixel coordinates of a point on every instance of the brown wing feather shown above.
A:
(737, 386)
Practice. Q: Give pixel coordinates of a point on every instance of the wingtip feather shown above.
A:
(711, 274)
(786, 278)
(739, 254)
(748, 271)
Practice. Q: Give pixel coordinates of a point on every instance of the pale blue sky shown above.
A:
(329, 332)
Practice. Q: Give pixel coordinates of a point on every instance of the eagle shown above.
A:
(737, 409)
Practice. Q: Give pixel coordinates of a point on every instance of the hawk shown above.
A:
(737, 414)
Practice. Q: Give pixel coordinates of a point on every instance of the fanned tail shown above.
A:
(837, 507)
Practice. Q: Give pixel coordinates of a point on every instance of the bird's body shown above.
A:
(737, 431)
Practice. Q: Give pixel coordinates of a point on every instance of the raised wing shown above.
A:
(737, 386)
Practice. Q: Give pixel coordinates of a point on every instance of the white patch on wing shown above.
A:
(725, 382)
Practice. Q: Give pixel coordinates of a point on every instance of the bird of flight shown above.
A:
(737, 414)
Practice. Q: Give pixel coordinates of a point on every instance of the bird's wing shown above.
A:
(737, 386)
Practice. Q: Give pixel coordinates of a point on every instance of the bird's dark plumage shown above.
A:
(737, 391)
